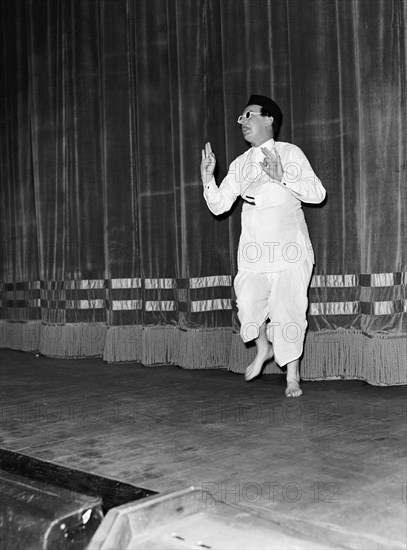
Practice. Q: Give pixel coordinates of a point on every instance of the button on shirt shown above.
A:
(274, 233)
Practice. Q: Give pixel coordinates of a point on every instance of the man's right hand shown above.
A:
(208, 163)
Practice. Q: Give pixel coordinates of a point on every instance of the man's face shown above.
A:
(257, 129)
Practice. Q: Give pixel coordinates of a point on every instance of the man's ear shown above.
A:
(269, 121)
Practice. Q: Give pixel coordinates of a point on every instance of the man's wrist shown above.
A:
(206, 178)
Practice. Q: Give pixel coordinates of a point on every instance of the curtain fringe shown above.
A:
(70, 340)
(22, 336)
(378, 359)
(123, 343)
(200, 349)
(157, 345)
(73, 340)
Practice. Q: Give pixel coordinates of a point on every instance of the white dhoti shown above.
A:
(281, 297)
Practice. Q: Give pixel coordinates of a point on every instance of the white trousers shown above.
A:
(281, 298)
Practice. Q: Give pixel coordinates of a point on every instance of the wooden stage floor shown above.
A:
(332, 461)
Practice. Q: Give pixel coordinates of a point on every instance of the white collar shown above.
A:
(269, 144)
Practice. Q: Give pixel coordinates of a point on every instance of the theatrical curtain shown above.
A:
(108, 247)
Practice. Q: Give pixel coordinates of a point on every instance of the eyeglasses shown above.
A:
(246, 116)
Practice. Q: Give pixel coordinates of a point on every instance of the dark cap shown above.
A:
(268, 104)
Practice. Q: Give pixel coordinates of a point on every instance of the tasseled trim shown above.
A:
(379, 359)
(123, 343)
(73, 340)
(20, 335)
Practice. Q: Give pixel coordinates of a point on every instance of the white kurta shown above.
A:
(274, 233)
(275, 254)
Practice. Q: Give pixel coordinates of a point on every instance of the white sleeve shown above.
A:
(220, 199)
(300, 178)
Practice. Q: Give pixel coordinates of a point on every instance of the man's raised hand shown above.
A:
(272, 164)
(208, 163)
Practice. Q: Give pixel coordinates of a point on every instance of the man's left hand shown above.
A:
(272, 164)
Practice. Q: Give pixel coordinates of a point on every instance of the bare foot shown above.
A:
(254, 369)
(293, 388)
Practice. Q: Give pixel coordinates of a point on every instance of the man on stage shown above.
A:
(275, 256)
